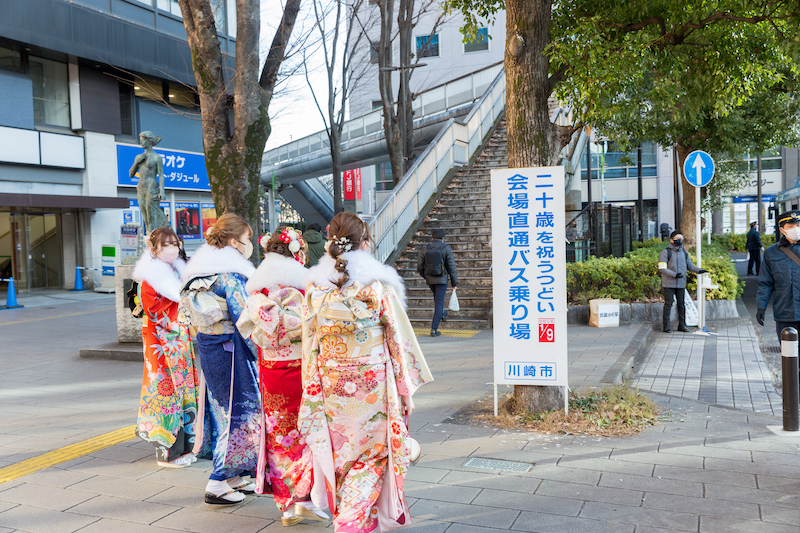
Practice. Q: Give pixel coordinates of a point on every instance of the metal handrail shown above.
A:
(455, 144)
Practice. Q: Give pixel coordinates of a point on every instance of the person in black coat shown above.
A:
(753, 247)
(435, 262)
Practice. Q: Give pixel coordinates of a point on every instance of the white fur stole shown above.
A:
(276, 269)
(362, 267)
(163, 277)
(209, 260)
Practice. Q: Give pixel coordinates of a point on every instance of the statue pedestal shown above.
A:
(129, 329)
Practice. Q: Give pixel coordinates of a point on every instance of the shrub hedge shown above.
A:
(737, 241)
(635, 278)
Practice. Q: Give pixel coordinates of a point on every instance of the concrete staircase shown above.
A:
(464, 212)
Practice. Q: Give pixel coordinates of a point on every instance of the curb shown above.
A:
(633, 354)
(116, 351)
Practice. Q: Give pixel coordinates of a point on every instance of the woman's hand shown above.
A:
(407, 405)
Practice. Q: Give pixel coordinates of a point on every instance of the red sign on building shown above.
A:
(352, 184)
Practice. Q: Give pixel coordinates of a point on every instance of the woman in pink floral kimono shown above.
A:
(272, 319)
(361, 366)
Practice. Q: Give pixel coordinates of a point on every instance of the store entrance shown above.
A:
(30, 249)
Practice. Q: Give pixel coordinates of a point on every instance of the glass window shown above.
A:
(218, 7)
(428, 45)
(377, 104)
(170, 6)
(50, 91)
(232, 18)
(10, 59)
(479, 44)
(181, 95)
(383, 177)
(148, 88)
(146, 2)
(373, 52)
(126, 108)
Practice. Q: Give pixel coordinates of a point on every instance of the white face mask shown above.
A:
(168, 254)
(792, 233)
(248, 249)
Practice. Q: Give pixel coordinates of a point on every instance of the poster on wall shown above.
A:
(529, 276)
(209, 216)
(187, 220)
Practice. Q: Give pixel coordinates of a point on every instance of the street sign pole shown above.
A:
(701, 291)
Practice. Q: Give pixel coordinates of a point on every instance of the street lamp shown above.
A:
(407, 130)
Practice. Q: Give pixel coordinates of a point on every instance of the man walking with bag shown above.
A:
(780, 276)
(753, 247)
(435, 262)
(673, 265)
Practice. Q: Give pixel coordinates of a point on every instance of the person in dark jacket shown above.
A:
(316, 244)
(753, 247)
(780, 276)
(435, 262)
(673, 265)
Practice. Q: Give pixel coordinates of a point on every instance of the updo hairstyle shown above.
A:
(228, 226)
(346, 234)
(161, 236)
(276, 246)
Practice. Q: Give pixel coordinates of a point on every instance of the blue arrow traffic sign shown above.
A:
(698, 168)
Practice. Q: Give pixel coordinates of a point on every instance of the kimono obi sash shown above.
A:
(344, 346)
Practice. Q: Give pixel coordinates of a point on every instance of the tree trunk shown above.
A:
(336, 170)
(406, 126)
(688, 222)
(533, 140)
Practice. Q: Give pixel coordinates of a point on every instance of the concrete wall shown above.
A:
(177, 132)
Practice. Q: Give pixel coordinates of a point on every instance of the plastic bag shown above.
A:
(692, 316)
(453, 306)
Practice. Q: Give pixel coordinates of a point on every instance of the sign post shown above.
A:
(529, 277)
(698, 168)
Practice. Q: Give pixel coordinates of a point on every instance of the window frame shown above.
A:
(424, 51)
(488, 43)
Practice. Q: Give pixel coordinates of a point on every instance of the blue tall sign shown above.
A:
(182, 170)
(698, 168)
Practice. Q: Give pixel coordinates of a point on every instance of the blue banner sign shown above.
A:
(182, 170)
(751, 199)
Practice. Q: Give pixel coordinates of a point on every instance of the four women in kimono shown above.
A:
(307, 375)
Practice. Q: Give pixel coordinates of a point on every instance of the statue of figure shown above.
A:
(150, 189)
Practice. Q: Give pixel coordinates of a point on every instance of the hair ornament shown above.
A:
(264, 240)
(294, 239)
(208, 231)
(343, 242)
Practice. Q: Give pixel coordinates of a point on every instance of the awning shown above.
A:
(55, 201)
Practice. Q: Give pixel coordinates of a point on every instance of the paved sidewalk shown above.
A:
(705, 469)
(725, 368)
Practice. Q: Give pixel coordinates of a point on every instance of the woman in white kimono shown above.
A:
(361, 366)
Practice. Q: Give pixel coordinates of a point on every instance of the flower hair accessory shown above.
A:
(294, 239)
(343, 242)
(264, 240)
(208, 232)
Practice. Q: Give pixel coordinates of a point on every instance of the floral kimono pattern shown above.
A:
(360, 354)
(168, 407)
(272, 319)
(231, 406)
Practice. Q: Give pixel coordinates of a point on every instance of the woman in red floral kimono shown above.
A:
(272, 319)
(361, 366)
(168, 407)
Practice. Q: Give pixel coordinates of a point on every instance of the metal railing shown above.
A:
(454, 145)
(437, 99)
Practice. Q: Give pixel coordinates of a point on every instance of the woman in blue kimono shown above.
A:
(229, 417)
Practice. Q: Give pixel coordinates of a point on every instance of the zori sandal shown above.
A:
(229, 498)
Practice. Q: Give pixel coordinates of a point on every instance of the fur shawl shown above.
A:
(362, 267)
(160, 275)
(276, 269)
(209, 260)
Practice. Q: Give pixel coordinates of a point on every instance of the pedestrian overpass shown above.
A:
(451, 121)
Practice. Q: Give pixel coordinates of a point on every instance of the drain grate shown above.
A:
(494, 464)
(771, 349)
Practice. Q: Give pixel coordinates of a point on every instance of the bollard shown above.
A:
(78, 280)
(791, 380)
(11, 297)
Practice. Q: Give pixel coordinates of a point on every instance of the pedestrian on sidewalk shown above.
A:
(361, 366)
(435, 262)
(753, 247)
(273, 320)
(213, 297)
(673, 264)
(168, 408)
(780, 276)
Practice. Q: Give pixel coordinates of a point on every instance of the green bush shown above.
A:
(737, 241)
(635, 278)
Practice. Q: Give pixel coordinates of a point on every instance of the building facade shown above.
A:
(79, 80)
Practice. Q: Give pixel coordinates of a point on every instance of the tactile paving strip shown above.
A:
(465, 333)
(494, 464)
(67, 453)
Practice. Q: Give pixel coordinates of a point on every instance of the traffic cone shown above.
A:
(78, 280)
(11, 297)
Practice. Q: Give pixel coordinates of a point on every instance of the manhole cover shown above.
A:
(494, 464)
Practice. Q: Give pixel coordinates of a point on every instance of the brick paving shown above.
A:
(706, 468)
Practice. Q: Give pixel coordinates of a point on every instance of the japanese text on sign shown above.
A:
(182, 170)
(529, 266)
